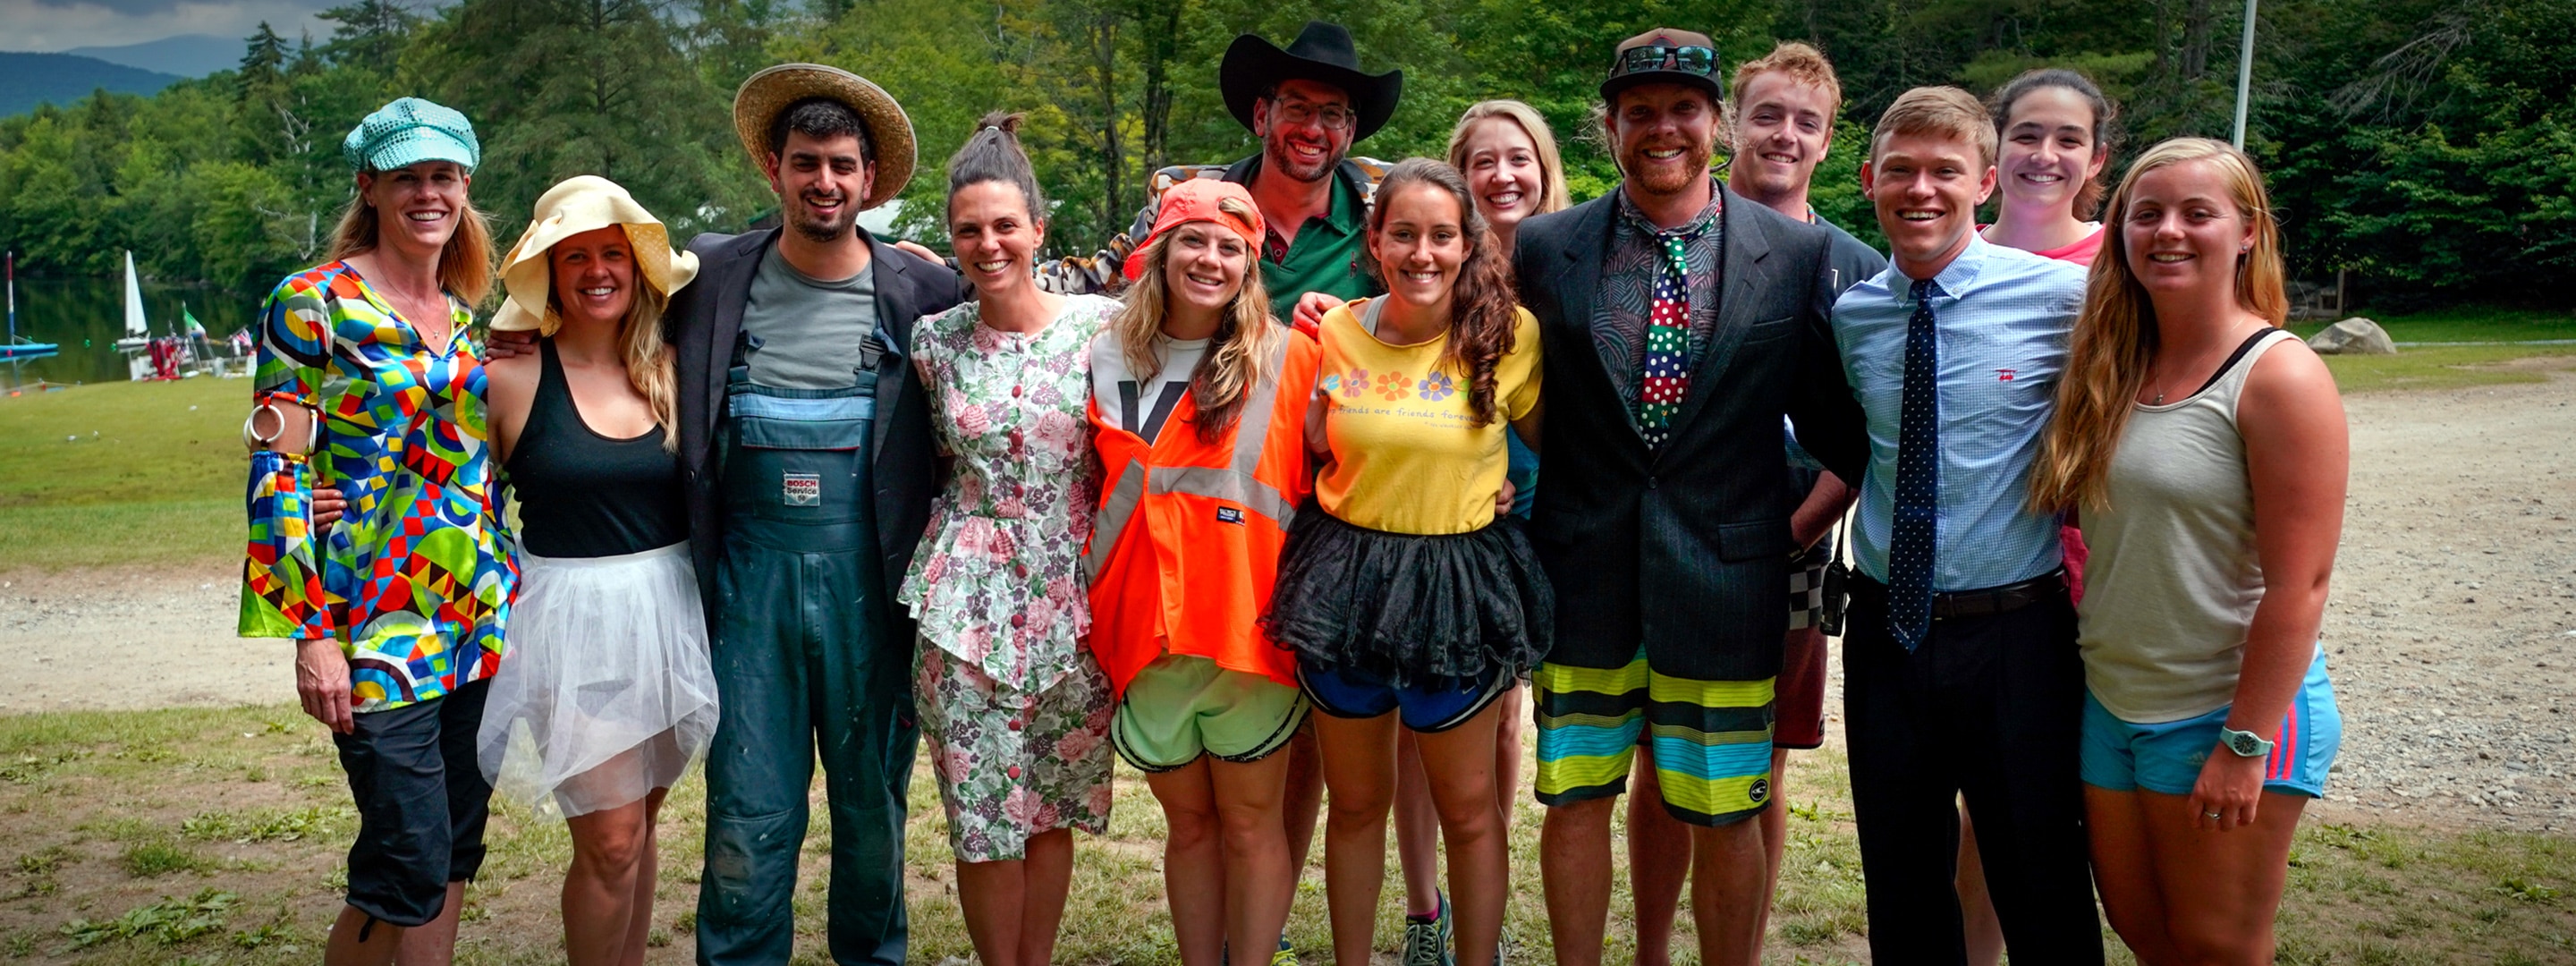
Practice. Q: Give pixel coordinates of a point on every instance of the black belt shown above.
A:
(1974, 603)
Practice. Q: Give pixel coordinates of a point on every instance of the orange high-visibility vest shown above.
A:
(1186, 545)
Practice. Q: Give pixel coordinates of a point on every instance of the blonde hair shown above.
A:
(640, 347)
(1246, 335)
(464, 263)
(2116, 338)
(1551, 195)
(1803, 63)
(1937, 110)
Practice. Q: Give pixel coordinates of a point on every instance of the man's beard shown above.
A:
(1275, 158)
(822, 229)
(1660, 179)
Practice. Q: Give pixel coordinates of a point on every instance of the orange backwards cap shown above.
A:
(1196, 200)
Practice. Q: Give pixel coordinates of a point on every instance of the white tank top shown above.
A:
(2170, 589)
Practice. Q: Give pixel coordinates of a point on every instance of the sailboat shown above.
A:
(15, 348)
(137, 344)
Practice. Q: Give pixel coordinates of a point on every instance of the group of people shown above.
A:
(1252, 500)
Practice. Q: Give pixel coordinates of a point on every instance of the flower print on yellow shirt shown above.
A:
(1408, 456)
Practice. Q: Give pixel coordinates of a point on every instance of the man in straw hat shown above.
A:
(1681, 322)
(1308, 103)
(810, 468)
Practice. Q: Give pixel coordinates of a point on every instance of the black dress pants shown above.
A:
(1990, 707)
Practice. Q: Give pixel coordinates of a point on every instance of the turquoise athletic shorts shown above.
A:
(2120, 756)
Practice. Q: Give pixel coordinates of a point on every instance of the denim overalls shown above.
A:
(806, 661)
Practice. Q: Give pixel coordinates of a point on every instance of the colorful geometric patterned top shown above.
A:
(417, 578)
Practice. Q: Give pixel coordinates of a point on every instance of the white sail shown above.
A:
(134, 323)
(137, 344)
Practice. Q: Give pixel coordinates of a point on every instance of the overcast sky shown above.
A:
(48, 25)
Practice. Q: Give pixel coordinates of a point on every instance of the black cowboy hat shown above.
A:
(1322, 52)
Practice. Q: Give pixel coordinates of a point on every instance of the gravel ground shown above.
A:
(2452, 628)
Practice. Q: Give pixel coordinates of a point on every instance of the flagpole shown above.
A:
(2244, 74)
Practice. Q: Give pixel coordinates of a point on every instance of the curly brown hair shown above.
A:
(1483, 311)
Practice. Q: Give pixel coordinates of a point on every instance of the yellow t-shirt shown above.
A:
(1408, 456)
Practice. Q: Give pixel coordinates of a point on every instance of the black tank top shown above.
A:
(582, 494)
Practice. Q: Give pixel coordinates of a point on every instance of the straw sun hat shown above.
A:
(583, 203)
(763, 95)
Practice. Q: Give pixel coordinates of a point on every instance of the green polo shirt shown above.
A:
(1329, 256)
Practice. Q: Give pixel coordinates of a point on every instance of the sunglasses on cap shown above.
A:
(1693, 60)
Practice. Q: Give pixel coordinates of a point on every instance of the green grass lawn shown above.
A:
(217, 837)
(122, 473)
(2466, 324)
(118, 474)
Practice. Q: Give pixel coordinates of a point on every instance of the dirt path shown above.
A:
(2452, 631)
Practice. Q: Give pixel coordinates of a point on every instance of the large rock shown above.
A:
(2353, 336)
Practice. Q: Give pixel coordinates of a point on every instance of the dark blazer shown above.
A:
(1685, 548)
(702, 322)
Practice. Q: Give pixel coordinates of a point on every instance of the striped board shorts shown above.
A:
(1711, 739)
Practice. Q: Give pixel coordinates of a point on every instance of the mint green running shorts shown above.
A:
(1183, 706)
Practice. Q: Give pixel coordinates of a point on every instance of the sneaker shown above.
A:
(1426, 938)
(1286, 955)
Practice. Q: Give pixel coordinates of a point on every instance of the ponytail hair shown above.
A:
(993, 153)
(1483, 309)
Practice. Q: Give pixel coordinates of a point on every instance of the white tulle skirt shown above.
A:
(604, 692)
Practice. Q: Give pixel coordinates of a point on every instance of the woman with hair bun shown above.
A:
(1015, 709)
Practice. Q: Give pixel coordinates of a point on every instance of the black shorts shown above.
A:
(422, 802)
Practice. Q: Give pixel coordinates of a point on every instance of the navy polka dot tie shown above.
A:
(1918, 479)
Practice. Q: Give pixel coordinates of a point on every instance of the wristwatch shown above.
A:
(2245, 744)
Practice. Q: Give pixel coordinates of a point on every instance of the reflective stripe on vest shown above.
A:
(1235, 483)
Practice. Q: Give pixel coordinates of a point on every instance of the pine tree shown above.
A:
(262, 64)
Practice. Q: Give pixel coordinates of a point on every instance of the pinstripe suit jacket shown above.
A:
(1683, 549)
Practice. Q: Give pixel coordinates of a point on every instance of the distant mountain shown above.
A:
(187, 55)
(27, 80)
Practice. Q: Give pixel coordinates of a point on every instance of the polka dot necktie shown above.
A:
(1667, 362)
(1918, 480)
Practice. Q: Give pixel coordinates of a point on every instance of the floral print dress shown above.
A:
(1015, 709)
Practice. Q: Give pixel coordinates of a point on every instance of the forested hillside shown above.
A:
(2427, 146)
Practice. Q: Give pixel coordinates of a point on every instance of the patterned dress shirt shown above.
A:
(1627, 300)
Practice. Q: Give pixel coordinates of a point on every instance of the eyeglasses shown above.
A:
(1694, 60)
(1331, 117)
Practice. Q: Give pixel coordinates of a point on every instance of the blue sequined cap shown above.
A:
(409, 131)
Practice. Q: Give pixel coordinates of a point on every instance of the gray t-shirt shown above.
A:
(1140, 405)
(807, 333)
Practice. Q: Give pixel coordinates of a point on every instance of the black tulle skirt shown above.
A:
(1406, 608)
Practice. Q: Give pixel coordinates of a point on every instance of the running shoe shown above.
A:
(1426, 938)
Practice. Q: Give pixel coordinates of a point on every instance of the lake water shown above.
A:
(87, 315)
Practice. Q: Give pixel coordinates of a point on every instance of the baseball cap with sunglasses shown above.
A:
(1664, 55)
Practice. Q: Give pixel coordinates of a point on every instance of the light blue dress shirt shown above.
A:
(2002, 318)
